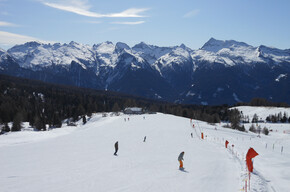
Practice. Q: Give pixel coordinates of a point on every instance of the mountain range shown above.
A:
(220, 72)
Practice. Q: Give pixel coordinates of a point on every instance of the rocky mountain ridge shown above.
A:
(219, 72)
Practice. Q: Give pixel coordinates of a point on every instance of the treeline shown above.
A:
(41, 104)
(259, 130)
(262, 102)
(278, 118)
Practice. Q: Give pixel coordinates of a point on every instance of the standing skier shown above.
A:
(116, 148)
(180, 159)
(144, 139)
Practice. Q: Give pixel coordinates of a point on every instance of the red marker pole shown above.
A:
(249, 180)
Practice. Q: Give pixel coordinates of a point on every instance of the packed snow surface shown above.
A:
(73, 159)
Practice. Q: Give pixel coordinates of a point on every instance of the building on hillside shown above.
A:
(133, 110)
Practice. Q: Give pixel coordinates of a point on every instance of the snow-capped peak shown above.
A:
(34, 54)
(150, 53)
(73, 43)
(183, 46)
(215, 45)
(142, 45)
(105, 47)
(177, 55)
(277, 55)
(2, 51)
(33, 44)
(121, 46)
(228, 52)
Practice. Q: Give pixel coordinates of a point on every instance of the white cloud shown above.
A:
(83, 8)
(9, 39)
(192, 13)
(94, 22)
(128, 23)
(133, 12)
(6, 24)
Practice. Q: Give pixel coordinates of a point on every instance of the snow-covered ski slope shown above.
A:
(75, 159)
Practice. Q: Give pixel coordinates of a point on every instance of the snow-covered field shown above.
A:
(74, 159)
(262, 112)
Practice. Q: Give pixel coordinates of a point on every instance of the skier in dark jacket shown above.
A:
(180, 159)
(116, 148)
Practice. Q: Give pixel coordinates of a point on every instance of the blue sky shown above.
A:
(158, 22)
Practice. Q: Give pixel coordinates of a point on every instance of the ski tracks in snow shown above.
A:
(257, 182)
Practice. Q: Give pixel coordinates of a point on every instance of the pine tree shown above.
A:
(265, 131)
(284, 118)
(216, 118)
(38, 123)
(279, 116)
(17, 122)
(235, 118)
(116, 107)
(184, 113)
(84, 119)
(5, 129)
(253, 129)
(259, 129)
(255, 118)
(56, 120)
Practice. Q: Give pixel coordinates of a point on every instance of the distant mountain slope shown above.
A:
(262, 112)
(219, 72)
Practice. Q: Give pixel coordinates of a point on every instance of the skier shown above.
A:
(144, 139)
(191, 135)
(116, 148)
(180, 159)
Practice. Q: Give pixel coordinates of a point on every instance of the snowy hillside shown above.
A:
(74, 159)
(262, 112)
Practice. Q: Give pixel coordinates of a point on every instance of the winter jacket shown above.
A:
(180, 157)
